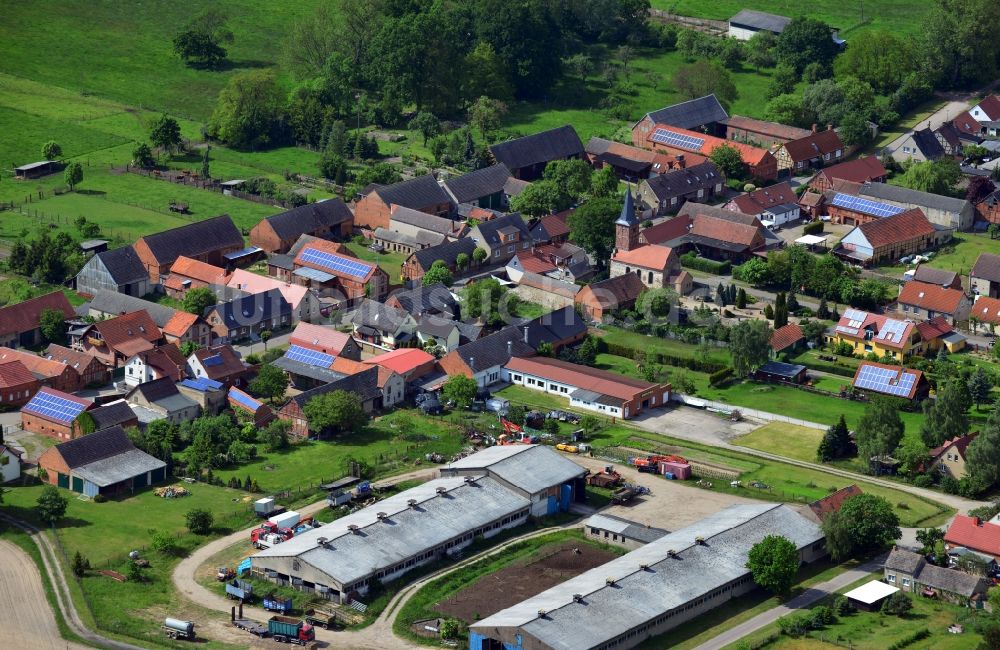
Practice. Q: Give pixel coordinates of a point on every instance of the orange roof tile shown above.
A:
(831, 503)
(651, 256)
(901, 227)
(40, 366)
(585, 377)
(197, 270)
(751, 155)
(137, 325)
(785, 337)
(725, 230)
(13, 374)
(402, 360)
(320, 338)
(179, 324)
(535, 263)
(931, 297)
(814, 145)
(974, 533)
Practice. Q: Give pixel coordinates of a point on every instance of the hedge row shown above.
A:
(813, 228)
(665, 359)
(720, 377)
(692, 261)
(919, 635)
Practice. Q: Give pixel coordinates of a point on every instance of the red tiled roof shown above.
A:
(859, 170)
(135, 326)
(785, 337)
(958, 444)
(73, 358)
(403, 360)
(876, 322)
(751, 155)
(813, 145)
(975, 534)
(555, 225)
(986, 310)
(39, 366)
(967, 124)
(991, 106)
(592, 379)
(230, 365)
(767, 197)
(666, 230)
(319, 338)
(13, 374)
(911, 224)
(723, 230)
(772, 129)
(931, 297)
(831, 503)
(934, 328)
(179, 323)
(197, 270)
(535, 263)
(651, 256)
(900, 372)
(23, 316)
(614, 292)
(167, 359)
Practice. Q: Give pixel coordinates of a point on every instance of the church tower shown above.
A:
(627, 226)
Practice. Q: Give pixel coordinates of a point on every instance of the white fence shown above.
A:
(720, 407)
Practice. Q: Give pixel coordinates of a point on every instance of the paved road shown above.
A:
(65, 603)
(805, 599)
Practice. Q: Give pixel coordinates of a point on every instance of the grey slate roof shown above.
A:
(407, 531)
(492, 350)
(124, 265)
(114, 303)
(760, 20)
(931, 275)
(557, 325)
(950, 580)
(629, 529)
(364, 383)
(640, 595)
(434, 298)
(418, 219)
(489, 231)
(251, 309)
(436, 326)
(194, 239)
(112, 414)
(416, 193)
(307, 370)
(905, 561)
(156, 390)
(446, 252)
(94, 446)
(894, 193)
(691, 114)
(421, 239)
(478, 184)
(928, 144)
(555, 144)
(122, 467)
(678, 182)
(987, 267)
(309, 218)
(532, 468)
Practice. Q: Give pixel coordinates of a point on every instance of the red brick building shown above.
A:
(603, 298)
(329, 219)
(19, 323)
(56, 414)
(422, 193)
(187, 273)
(17, 384)
(859, 170)
(672, 140)
(205, 241)
(116, 340)
(52, 373)
(89, 368)
(320, 266)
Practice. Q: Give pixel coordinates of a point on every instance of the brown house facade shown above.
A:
(329, 219)
(421, 193)
(205, 241)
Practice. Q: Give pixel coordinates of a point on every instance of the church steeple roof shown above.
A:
(627, 216)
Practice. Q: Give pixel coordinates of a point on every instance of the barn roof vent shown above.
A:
(381, 516)
(609, 581)
(542, 613)
(577, 598)
(700, 541)
(441, 490)
(412, 503)
(320, 541)
(353, 528)
(671, 553)
(643, 567)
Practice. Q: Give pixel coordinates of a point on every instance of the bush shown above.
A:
(720, 377)
(923, 481)
(794, 625)
(950, 485)
(842, 606)
(821, 617)
(813, 228)
(919, 635)
(692, 261)
(100, 498)
(898, 603)
(664, 359)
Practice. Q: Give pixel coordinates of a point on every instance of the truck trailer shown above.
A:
(321, 618)
(239, 590)
(274, 603)
(286, 629)
(178, 629)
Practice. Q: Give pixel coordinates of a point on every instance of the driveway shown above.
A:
(945, 114)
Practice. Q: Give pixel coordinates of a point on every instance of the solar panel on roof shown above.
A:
(310, 357)
(679, 140)
(336, 263)
(244, 400)
(214, 360)
(883, 380)
(855, 315)
(892, 330)
(865, 206)
(54, 407)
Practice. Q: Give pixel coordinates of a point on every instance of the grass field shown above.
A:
(960, 255)
(877, 631)
(784, 439)
(618, 336)
(391, 263)
(896, 15)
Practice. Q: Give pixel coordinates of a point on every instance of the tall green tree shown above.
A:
(729, 160)
(836, 442)
(604, 183)
(540, 198)
(525, 36)
(573, 177)
(198, 299)
(460, 389)
(51, 505)
(427, 124)
(200, 44)
(486, 114)
(948, 416)
(880, 58)
(51, 150)
(936, 177)
(339, 410)
(52, 324)
(249, 111)
(865, 523)
(980, 384)
(880, 429)
(73, 175)
(804, 41)
(592, 227)
(438, 273)
(749, 345)
(165, 133)
(774, 563)
(702, 78)
(271, 382)
(959, 42)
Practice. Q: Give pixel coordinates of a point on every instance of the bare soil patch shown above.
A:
(525, 578)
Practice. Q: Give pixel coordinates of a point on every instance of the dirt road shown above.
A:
(25, 616)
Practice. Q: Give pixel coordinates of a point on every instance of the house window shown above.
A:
(906, 582)
(891, 578)
(510, 249)
(673, 201)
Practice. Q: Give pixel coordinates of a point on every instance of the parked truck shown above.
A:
(286, 629)
(239, 590)
(322, 618)
(266, 507)
(178, 629)
(275, 603)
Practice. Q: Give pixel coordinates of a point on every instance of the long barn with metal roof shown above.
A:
(651, 590)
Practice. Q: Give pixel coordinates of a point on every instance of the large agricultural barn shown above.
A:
(343, 559)
(650, 590)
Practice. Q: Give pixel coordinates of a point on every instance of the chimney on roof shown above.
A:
(472, 363)
(829, 127)
(814, 127)
(510, 348)
(412, 503)
(525, 333)
(381, 516)
(353, 528)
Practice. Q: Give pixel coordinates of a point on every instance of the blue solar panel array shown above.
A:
(307, 356)
(214, 360)
(678, 140)
(243, 399)
(865, 206)
(202, 384)
(54, 407)
(898, 382)
(336, 263)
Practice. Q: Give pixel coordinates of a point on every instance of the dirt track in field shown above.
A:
(25, 616)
